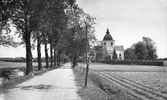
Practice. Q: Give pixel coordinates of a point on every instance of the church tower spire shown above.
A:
(107, 31)
(107, 36)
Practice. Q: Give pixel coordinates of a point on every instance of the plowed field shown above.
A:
(141, 82)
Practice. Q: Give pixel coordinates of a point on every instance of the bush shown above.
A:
(8, 73)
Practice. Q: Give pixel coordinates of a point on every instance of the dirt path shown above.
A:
(58, 84)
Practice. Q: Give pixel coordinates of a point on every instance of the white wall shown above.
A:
(108, 43)
(120, 52)
(165, 63)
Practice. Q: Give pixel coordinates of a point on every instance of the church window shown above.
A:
(119, 54)
(111, 43)
(104, 43)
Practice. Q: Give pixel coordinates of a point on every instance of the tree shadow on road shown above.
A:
(40, 87)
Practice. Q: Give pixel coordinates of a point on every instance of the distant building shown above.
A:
(109, 48)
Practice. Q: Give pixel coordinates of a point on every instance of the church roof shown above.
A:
(119, 48)
(107, 36)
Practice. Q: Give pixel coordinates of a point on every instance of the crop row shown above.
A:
(135, 89)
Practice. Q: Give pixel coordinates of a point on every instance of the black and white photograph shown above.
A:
(83, 49)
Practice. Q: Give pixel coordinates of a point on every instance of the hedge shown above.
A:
(129, 62)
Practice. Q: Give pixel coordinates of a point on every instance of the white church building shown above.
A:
(108, 45)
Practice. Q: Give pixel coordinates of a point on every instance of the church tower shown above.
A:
(108, 43)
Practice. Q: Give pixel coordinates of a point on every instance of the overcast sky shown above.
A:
(127, 20)
(130, 20)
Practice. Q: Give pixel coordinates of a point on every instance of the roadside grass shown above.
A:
(98, 88)
(92, 91)
(4, 64)
(9, 84)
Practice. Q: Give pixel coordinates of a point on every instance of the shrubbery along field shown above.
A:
(130, 62)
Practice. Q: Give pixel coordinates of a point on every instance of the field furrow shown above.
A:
(133, 88)
(140, 86)
(128, 91)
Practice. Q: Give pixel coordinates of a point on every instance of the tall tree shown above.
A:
(150, 45)
(55, 21)
(130, 54)
(140, 50)
(46, 51)
(39, 52)
(80, 29)
(21, 13)
(115, 55)
(51, 18)
(99, 52)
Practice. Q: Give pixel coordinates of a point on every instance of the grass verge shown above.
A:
(18, 80)
(98, 88)
(92, 91)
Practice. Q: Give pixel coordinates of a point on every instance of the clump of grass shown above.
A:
(13, 82)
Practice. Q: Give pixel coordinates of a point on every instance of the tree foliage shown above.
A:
(99, 52)
(31, 16)
(130, 54)
(7, 40)
(21, 13)
(114, 55)
(152, 51)
(142, 50)
(60, 23)
(80, 33)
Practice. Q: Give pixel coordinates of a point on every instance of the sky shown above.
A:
(127, 20)
(130, 20)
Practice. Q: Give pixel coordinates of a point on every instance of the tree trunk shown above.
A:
(46, 53)
(74, 60)
(39, 53)
(27, 35)
(57, 58)
(54, 57)
(51, 54)
(29, 68)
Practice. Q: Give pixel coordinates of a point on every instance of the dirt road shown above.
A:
(58, 84)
